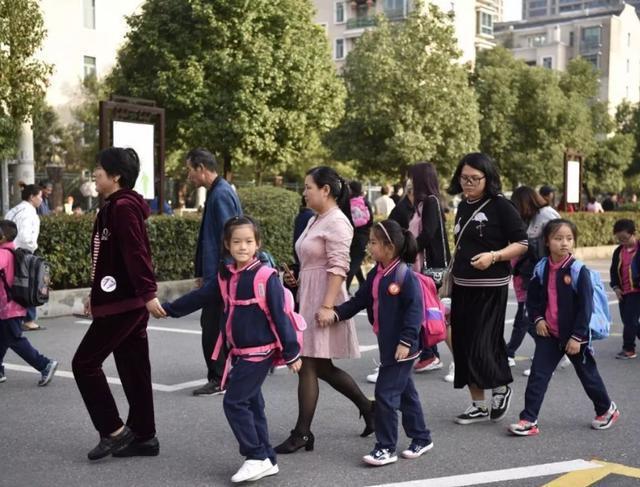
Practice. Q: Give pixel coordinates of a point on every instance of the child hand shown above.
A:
(87, 306)
(295, 366)
(542, 328)
(325, 317)
(402, 352)
(618, 292)
(573, 347)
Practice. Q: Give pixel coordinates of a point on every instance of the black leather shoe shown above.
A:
(111, 444)
(295, 442)
(147, 448)
(369, 420)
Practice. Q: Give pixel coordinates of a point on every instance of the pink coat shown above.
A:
(8, 309)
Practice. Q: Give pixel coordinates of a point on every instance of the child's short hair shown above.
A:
(554, 225)
(8, 230)
(624, 225)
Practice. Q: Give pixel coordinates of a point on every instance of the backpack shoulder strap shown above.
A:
(260, 285)
(538, 270)
(401, 272)
(576, 267)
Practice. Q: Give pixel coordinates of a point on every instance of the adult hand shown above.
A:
(482, 261)
(542, 328)
(573, 347)
(198, 282)
(155, 308)
(402, 352)
(618, 292)
(87, 306)
(325, 317)
(289, 279)
(295, 366)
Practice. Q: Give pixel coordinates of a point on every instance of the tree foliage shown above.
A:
(407, 98)
(252, 81)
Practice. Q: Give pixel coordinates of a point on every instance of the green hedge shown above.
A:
(65, 240)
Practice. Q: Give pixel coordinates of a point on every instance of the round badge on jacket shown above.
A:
(394, 289)
(567, 280)
(108, 284)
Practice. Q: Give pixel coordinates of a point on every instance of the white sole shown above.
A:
(409, 455)
(271, 471)
(471, 421)
(377, 463)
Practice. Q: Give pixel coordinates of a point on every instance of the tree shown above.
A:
(22, 79)
(251, 81)
(407, 98)
(627, 122)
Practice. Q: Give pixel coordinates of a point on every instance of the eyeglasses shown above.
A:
(472, 180)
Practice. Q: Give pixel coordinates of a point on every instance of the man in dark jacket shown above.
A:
(221, 204)
(123, 293)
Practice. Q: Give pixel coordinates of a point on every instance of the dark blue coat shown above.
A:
(249, 327)
(574, 309)
(400, 315)
(616, 269)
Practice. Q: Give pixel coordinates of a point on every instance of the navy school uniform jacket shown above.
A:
(400, 315)
(574, 309)
(250, 327)
(616, 269)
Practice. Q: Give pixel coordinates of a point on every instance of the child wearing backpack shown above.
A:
(259, 330)
(561, 303)
(393, 299)
(625, 281)
(12, 314)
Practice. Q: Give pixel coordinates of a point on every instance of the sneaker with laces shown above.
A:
(512, 361)
(451, 374)
(254, 470)
(500, 402)
(211, 388)
(626, 355)
(473, 414)
(432, 363)
(380, 456)
(48, 372)
(606, 420)
(416, 449)
(373, 377)
(524, 428)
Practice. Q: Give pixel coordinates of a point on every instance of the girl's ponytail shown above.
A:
(391, 233)
(409, 249)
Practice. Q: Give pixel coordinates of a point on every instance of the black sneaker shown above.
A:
(473, 414)
(500, 404)
(211, 388)
(112, 444)
(137, 448)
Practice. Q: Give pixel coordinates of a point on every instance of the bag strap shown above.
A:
(440, 218)
(453, 258)
(260, 293)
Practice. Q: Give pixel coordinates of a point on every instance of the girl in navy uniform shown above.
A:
(393, 299)
(561, 317)
(250, 328)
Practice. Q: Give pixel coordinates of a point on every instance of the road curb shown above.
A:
(600, 252)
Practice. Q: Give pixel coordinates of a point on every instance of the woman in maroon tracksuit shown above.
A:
(123, 293)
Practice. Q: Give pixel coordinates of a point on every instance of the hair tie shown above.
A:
(385, 232)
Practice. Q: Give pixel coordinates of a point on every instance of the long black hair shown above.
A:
(425, 181)
(338, 187)
(482, 163)
(391, 233)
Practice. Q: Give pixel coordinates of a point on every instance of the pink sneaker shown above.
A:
(607, 419)
(433, 363)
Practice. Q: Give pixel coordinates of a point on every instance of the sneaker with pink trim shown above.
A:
(606, 420)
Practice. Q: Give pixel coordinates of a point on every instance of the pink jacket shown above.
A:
(8, 309)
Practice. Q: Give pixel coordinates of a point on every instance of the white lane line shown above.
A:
(499, 475)
(155, 328)
(111, 380)
(367, 348)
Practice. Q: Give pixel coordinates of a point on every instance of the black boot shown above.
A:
(369, 420)
(295, 442)
(147, 448)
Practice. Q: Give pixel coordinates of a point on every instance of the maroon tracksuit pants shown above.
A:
(124, 335)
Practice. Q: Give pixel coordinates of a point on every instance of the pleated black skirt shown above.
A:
(477, 332)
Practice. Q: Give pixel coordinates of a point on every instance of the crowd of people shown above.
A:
(248, 322)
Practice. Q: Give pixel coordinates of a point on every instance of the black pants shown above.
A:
(521, 326)
(210, 323)
(630, 313)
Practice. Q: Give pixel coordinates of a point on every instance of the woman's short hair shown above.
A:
(482, 163)
(125, 163)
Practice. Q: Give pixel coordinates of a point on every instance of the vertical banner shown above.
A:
(139, 137)
(572, 183)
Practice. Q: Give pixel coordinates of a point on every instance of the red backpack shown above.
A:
(256, 354)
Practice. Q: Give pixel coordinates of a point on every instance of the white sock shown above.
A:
(480, 404)
(500, 390)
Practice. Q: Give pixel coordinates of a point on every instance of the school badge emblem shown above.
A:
(108, 284)
(394, 289)
(567, 280)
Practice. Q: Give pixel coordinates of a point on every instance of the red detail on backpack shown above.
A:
(360, 214)
(256, 354)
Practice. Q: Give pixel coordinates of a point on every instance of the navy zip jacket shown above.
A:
(221, 204)
(249, 327)
(574, 309)
(616, 269)
(399, 307)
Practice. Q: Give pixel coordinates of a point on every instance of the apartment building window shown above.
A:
(89, 67)
(628, 67)
(591, 37)
(339, 51)
(537, 40)
(339, 13)
(629, 39)
(572, 38)
(547, 62)
(395, 9)
(594, 59)
(485, 23)
(89, 14)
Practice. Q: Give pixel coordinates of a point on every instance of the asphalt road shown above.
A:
(45, 433)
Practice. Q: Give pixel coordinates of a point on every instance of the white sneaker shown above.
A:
(451, 374)
(374, 376)
(527, 372)
(254, 470)
(564, 363)
(433, 363)
(512, 361)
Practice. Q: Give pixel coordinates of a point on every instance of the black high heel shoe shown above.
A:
(295, 442)
(369, 420)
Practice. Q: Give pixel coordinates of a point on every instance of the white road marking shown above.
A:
(507, 474)
(367, 348)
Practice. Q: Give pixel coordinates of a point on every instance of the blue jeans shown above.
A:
(11, 337)
(31, 314)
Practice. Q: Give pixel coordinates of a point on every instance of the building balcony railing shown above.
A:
(361, 22)
(395, 14)
(590, 45)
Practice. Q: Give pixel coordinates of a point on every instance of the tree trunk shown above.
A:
(227, 169)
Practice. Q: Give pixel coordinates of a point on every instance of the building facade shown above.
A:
(609, 39)
(544, 8)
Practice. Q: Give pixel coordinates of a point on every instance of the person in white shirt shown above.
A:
(384, 204)
(594, 206)
(26, 218)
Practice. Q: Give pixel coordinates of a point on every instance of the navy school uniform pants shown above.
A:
(395, 391)
(545, 359)
(124, 335)
(244, 408)
(630, 314)
(522, 325)
(210, 322)
(11, 337)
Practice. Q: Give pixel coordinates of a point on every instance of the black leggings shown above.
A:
(308, 389)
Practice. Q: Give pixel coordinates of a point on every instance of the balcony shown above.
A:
(589, 45)
(395, 14)
(361, 22)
